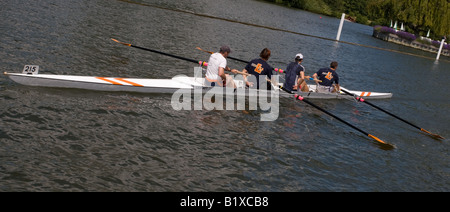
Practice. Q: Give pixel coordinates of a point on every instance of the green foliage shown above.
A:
(418, 15)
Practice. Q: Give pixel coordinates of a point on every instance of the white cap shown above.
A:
(299, 55)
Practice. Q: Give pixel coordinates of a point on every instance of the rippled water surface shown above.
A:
(76, 140)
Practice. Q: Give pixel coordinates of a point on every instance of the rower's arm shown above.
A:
(302, 75)
(249, 84)
(301, 78)
(315, 77)
(222, 74)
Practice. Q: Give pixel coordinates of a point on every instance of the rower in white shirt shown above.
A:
(217, 65)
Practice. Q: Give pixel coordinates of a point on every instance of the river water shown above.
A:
(76, 140)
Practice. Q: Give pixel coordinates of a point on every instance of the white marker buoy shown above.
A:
(440, 49)
(338, 37)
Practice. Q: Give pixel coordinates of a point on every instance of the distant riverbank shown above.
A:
(324, 8)
(408, 39)
(419, 17)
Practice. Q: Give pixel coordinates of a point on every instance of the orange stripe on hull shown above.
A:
(129, 82)
(107, 80)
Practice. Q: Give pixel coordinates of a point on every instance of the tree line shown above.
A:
(418, 16)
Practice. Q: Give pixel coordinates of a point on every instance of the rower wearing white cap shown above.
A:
(295, 75)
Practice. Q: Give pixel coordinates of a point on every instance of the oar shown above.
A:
(365, 101)
(233, 58)
(298, 97)
(202, 63)
(319, 108)
(158, 52)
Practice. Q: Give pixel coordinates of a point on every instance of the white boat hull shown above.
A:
(342, 95)
(185, 84)
(100, 83)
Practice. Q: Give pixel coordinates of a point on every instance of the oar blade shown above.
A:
(381, 142)
(377, 139)
(432, 134)
(115, 40)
